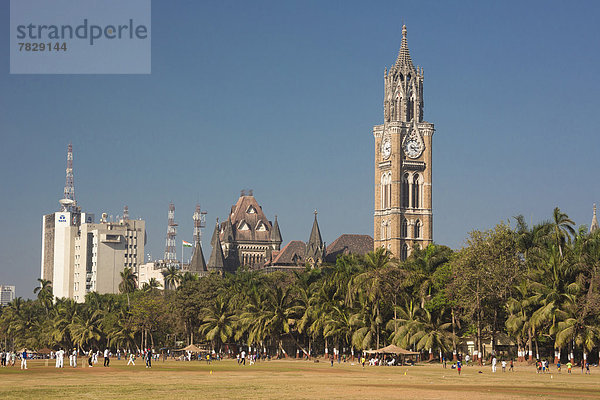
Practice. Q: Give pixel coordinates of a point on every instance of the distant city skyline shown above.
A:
(281, 97)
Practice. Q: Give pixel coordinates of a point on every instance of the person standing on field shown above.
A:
(60, 358)
(458, 366)
(149, 358)
(106, 359)
(24, 359)
(494, 362)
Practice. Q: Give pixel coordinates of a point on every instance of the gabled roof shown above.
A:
(246, 218)
(291, 254)
(349, 244)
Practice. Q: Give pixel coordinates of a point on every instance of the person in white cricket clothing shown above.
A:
(494, 362)
(60, 354)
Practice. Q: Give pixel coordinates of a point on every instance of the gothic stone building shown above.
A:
(403, 213)
(245, 238)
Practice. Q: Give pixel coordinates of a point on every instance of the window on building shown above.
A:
(404, 252)
(405, 191)
(416, 191)
(404, 232)
(418, 229)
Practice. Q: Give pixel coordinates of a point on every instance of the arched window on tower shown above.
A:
(389, 190)
(404, 232)
(388, 230)
(382, 230)
(404, 252)
(418, 229)
(386, 190)
(405, 191)
(416, 192)
(383, 191)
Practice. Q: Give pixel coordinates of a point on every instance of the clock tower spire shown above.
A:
(403, 216)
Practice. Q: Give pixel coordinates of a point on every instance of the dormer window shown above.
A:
(260, 227)
(243, 226)
(251, 209)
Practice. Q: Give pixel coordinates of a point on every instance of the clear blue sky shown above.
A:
(281, 97)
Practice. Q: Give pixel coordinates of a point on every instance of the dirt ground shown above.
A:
(289, 379)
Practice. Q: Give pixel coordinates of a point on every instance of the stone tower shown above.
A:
(403, 213)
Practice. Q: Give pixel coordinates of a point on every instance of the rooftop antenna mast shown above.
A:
(170, 252)
(199, 223)
(68, 202)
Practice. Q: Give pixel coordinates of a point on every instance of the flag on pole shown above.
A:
(186, 244)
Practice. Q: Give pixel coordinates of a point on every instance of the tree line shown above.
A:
(538, 286)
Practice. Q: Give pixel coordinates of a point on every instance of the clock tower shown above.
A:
(403, 214)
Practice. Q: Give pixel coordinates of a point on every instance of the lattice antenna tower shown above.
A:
(68, 202)
(199, 223)
(170, 252)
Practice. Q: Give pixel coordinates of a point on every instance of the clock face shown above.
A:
(413, 148)
(386, 149)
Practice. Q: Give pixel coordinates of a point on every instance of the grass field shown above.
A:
(288, 379)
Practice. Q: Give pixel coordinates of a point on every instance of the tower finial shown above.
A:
(403, 31)
(594, 225)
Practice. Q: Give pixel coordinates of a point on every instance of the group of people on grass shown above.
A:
(7, 358)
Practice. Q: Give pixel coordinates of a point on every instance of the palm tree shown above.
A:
(563, 229)
(404, 325)
(431, 332)
(366, 322)
(421, 266)
(85, 330)
(338, 325)
(377, 259)
(189, 277)
(65, 312)
(518, 324)
(151, 285)
(577, 327)
(218, 322)
(128, 282)
(172, 277)
(44, 292)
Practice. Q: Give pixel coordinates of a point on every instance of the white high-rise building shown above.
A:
(7, 294)
(80, 256)
(102, 251)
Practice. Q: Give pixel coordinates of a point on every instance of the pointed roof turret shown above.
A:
(217, 260)
(215, 234)
(228, 231)
(315, 248)
(275, 232)
(404, 59)
(594, 225)
(198, 264)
